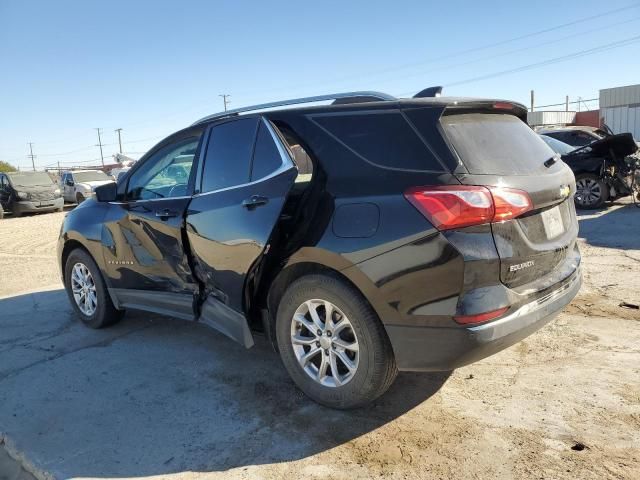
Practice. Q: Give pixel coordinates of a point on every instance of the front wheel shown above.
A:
(591, 191)
(79, 198)
(332, 343)
(87, 291)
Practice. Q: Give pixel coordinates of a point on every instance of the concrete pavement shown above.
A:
(155, 396)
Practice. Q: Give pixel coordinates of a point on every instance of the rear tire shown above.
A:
(591, 191)
(87, 291)
(352, 349)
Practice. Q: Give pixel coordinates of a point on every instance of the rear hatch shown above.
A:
(496, 148)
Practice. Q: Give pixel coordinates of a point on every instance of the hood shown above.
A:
(94, 184)
(621, 145)
(36, 188)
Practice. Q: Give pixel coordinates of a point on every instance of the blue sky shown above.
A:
(153, 67)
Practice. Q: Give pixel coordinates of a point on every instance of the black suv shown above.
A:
(361, 238)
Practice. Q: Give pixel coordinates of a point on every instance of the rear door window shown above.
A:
(228, 159)
(266, 156)
(382, 138)
(496, 144)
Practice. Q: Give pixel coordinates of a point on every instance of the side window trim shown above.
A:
(286, 164)
(204, 143)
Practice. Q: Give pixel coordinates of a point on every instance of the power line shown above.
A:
(470, 50)
(551, 61)
(567, 103)
(518, 50)
(450, 55)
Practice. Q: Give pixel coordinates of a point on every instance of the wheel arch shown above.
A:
(301, 266)
(71, 244)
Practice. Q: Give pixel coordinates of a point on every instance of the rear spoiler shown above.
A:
(488, 106)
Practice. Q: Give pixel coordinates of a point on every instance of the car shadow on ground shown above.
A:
(602, 227)
(155, 396)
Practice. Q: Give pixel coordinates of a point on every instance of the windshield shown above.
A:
(93, 176)
(496, 144)
(557, 146)
(29, 179)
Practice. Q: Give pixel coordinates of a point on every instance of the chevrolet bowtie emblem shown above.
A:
(565, 190)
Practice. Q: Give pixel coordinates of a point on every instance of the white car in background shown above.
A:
(79, 185)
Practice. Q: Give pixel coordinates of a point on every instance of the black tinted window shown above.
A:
(266, 157)
(381, 138)
(496, 144)
(228, 158)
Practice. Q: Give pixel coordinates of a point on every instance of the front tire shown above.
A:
(591, 191)
(87, 291)
(79, 198)
(332, 343)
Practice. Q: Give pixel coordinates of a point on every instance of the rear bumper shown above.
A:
(40, 206)
(445, 349)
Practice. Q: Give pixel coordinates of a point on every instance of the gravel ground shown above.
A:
(152, 397)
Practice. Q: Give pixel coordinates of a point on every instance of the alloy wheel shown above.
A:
(325, 343)
(84, 289)
(588, 192)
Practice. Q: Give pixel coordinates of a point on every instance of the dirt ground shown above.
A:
(157, 398)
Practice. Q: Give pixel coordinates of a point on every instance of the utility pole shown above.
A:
(100, 145)
(566, 103)
(224, 100)
(32, 156)
(532, 98)
(119, 138)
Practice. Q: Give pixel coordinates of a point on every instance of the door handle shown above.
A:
(255, 201)
(166, 213)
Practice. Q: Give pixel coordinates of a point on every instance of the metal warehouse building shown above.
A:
(620, 109)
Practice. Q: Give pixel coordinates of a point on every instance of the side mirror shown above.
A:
(107, 192)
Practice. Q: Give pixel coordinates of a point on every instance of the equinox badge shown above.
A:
(520, 266)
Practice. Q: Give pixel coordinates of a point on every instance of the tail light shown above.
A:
(456, 206)
(479, 318)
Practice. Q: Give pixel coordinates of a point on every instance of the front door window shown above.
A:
(166, 174)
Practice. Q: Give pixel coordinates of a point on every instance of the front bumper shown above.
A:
(445, 349)
(37, 206)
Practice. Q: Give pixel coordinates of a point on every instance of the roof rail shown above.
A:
(366, 96)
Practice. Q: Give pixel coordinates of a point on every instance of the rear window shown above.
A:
(384, 139)
(495, 144)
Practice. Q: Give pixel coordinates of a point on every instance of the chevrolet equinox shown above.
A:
(361, 237)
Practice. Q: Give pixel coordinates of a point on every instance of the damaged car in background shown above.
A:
(363, 237)
(28, 192)
(605, 169)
